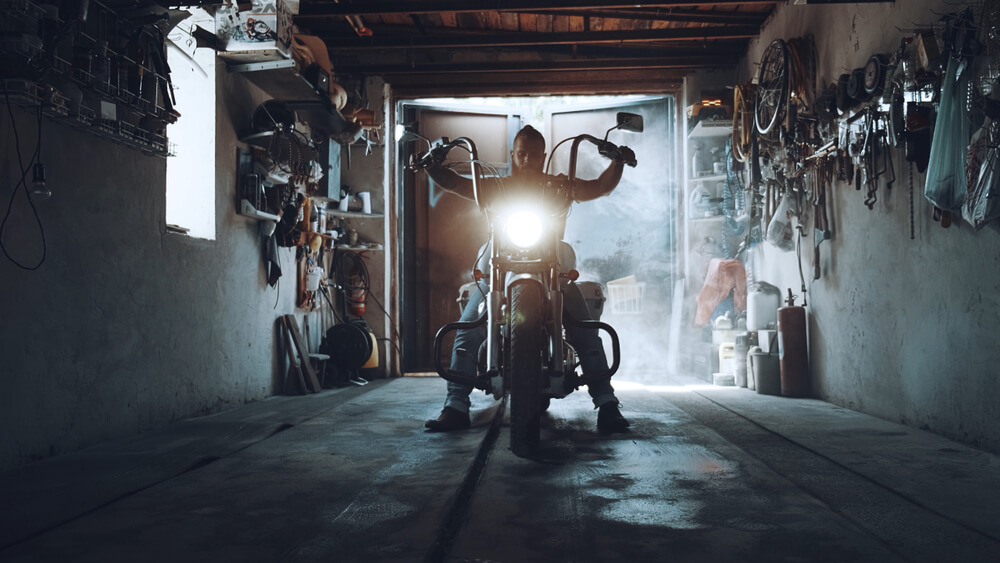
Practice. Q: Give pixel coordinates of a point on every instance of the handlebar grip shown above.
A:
(627, 156)
(608, 150)
(621, 154)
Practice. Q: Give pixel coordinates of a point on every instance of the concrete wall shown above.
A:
(902, 329)
(126, 327)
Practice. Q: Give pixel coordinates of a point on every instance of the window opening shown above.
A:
(190, 190)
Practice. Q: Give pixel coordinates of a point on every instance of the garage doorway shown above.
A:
(628, 237)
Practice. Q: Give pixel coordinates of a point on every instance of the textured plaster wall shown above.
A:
(902, 329)
(126, 327)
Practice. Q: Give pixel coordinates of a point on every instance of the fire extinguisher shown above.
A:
(793, 354)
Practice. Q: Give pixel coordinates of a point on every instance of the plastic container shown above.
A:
(723, 379)
(766, 372)
(313, 278)
(727, 364)
(751, 380)
(763, 300)
(740, 355)
(372, 361)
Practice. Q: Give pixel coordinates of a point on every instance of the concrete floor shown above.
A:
(706, 474)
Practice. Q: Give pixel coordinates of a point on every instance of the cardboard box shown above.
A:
(262, 33)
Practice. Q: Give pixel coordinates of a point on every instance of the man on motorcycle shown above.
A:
(527, 169)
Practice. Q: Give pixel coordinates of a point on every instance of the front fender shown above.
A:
(515, 279)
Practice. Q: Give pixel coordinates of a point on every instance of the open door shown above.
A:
(628, 235)
(441, 231)
(626, 240)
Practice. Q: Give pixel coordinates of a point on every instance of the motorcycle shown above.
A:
(525, 354)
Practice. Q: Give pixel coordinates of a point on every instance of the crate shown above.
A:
(262, 33)
(625, 296)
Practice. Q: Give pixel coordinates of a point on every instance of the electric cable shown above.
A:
(355, 292)
(22, 182)
(395, 332)
(733, 203)
(325, 292)
(365, 285)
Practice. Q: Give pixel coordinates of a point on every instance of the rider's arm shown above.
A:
(451, 181)
(586, 190)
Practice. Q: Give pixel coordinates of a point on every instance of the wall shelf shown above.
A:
(711, 128)
(248, 210)
(353, 214)
(282, 80)
(712, 178)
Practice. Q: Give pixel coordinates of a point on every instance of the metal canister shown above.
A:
(793, 354)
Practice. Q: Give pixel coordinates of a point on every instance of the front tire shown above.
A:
(524, 360)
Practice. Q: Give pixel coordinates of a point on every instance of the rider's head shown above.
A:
(528, 154)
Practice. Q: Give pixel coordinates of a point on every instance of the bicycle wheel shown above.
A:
(743, 120)
(772, 86)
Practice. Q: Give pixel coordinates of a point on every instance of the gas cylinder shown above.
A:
(793, 355)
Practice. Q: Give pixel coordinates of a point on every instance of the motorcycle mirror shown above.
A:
(629, 122)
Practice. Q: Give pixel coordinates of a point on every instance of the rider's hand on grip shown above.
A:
(431, 158)
(608, 150)
(626, 156)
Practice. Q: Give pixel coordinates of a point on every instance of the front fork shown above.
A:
(494, 312)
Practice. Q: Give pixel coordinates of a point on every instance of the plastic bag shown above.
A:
(982, 203)
(779, 230)
(945, 184)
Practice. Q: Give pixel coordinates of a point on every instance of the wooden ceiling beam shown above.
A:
(685, 16)
(341, 41)
(386, 7)
(647, 14)
(424, 86)
(648, 63)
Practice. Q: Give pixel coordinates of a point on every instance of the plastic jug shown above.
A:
(763, 300)
(740, 351)
(726, 358)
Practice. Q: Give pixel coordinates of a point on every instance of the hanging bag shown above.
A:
(945, 184)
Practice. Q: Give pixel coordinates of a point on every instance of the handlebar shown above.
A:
(440, 148)
(607, 149)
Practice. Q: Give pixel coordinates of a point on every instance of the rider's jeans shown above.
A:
(587, 343)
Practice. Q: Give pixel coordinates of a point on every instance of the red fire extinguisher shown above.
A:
(793, 354)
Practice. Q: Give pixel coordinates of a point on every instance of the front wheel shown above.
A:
(524, 361)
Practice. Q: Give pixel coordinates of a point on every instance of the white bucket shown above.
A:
(313, 278)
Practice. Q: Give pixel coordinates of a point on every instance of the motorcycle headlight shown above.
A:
(523, 228)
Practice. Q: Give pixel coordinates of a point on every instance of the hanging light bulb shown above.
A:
(39, 187)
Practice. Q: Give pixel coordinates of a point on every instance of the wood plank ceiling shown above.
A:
(516, 47)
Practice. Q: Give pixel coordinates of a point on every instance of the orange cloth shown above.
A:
(723, 276)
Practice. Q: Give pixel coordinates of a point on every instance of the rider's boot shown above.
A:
(610, 419)
(449, 419)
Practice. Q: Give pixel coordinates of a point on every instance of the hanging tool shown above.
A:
(821, 226)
